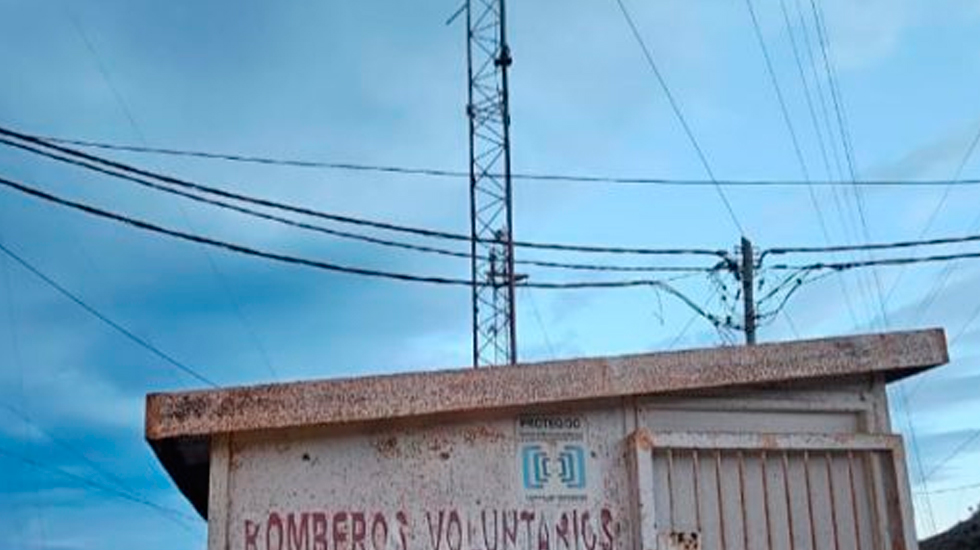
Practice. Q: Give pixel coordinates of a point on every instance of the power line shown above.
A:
(969, 322)
(100, 316)
(805, 41)
(951, 489)
(806, 88)
(103, 71)
(914, 440)
(782, 104)
(339, 233)
(678, 113)
(789, 122)
(869, 246)
(218, 275)
(167, 512)
(944, 276)
(316, 264)
(525, 176)
(959, 449)
(541, 325)
(348, 219)
(841, 266)
(840, 111)
(106, 475)
(959, 170)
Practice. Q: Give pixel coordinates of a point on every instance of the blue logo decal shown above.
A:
(571, 460)
(535, 461)
(536, 466)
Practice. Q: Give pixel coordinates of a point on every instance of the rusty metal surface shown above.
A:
(380, 398)
(770, 491)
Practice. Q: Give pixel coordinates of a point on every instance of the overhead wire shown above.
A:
(167, 512)
(544, 330)
(424, 232)
(313, 263)
(526, 176)
(17, 365)
(71, 449)
(962, 446)
(849, 156)
(104, 318)
(956, 175)
(869, 246)
(837, 102)
(336, 232)
(219, 276)
(788, 121)
(840, 266)
(797, 149)
(806, 89)
(940, 283)
(675, 107)
(805, 42)
(953, 489)
(117, 482)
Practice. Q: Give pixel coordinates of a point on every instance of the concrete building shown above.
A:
(775, 446)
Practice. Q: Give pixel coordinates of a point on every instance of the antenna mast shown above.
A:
(491, 219)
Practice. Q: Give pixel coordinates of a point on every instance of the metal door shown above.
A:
(744, 491)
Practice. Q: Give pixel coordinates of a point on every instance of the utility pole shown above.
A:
(491, 218)
(748, 296)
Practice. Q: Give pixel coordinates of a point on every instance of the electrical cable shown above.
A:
(346, 219)
(541, 325)
(817, 132)
(165, 511)
(307, 262)
(335, 232)
(109, 477)
(526, 176)
(841, 266)
(840, 111)
(868, 246)
(102, 317)
(785, 112)
(959, 449)
(951, 489)
(678, 113)
(943, 279)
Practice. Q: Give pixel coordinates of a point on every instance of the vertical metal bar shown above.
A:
(809, 499)
(670, 486)
(833, 505)
(741, 497)
(748, 287)
(696, 461)
(474, 289)
(721, 508)
(854, 502)
(505, 61)
(872, 475)
(905, 535)
(643, 522)
(789, 501)
(765, 500)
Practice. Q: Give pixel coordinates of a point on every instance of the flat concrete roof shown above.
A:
(179, 425)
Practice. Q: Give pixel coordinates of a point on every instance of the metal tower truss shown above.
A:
(492, 248)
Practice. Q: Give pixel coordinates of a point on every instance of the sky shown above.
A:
(384, 83)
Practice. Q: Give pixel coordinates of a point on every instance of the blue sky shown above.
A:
(383, 82)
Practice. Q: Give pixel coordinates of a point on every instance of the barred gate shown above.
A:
(745, 491)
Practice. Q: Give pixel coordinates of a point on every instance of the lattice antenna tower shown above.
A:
(491, 218)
